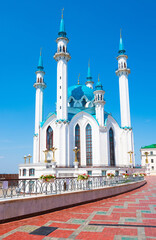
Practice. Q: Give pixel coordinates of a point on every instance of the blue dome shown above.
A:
(78, 91)
(99, 86)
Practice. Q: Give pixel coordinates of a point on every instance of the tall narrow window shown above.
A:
(71, 103)
(111, 145)
(77, 142)
(49, 138)
(84, 102)
(88, 145)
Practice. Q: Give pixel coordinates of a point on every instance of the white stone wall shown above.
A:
(151, 160)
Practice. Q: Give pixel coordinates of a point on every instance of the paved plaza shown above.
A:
(129, 216)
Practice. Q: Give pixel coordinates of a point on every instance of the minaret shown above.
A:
(89, 83)
(123, 73)
(62, 57)
(99, 102)
(40, 86)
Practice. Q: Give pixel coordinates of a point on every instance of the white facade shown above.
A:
(80, 121)
(149, 161)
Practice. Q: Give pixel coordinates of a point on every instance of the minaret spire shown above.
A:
(78, 82)
(89, 82)
(40, 86)
(62, 57)
(121, 46)
(99, 102)
(123, 73)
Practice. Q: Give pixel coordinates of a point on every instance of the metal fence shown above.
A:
(15, 188)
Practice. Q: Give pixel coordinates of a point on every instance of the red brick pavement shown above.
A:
(132, 209)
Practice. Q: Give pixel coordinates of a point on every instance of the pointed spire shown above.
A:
(121, 46)
(78, 81)
(89, 77)
(99, 84)
(40, 62)
(62, 32)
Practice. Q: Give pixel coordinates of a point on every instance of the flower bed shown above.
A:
(82, 177)
(125, 175)
(48, 178)
(110, 175)
(142, 174)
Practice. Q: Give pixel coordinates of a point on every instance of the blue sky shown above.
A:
(93, 28)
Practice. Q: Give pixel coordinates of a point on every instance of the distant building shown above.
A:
(148, 158)
(80, 123)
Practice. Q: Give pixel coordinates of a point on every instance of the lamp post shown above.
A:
(25, 157)
(130, 155)
(76, 150)
(45, 152)
(29, 157)
(53, 149)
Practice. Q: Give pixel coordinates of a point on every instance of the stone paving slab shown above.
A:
(129, 216)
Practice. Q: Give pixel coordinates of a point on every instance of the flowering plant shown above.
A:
(135, 174)
(47, 178)
(142, 174)
(82, 177)
(111, 175)
(125, 175)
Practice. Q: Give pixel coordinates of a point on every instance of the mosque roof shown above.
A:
(149, 146)
(73, 111)
(78, 91)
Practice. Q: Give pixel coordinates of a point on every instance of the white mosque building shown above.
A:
(80, 124)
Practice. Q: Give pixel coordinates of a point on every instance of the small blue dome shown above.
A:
(78, 91)
(99, 86)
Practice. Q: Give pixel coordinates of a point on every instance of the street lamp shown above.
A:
(29, 156)
(25, 157)
(53, 149)
(45, 152)
(76, 150)
(130, 155)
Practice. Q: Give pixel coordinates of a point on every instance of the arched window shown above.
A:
(49, 138)
(71, 103)
(77, 142)
(83, 102)
(88, 145)
(124, 65)
(31, 172)
(24, 172)
(111, 145)
(63, 48)
(121, 65)
(60, 49)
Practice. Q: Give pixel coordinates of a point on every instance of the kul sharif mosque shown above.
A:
(80, 137)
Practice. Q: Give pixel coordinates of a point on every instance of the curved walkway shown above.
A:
(129, 216)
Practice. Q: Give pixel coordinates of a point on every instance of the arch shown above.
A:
(49, 138)
(63, 48)
(84, 102)
(88, 145)
(121, 64)
(60, 49)
(124, 65)
(71, 103)
(77, 142)
(111, 146)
